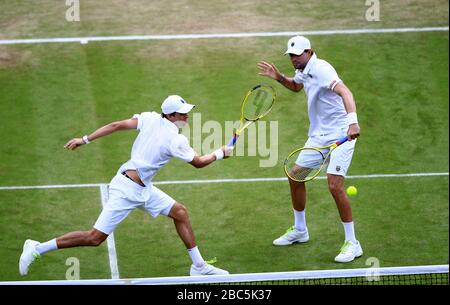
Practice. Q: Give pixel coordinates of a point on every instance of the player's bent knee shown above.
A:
(96, 237)
(179, 212)
(335, 187)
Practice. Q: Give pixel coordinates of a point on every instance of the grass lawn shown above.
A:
(53, 92)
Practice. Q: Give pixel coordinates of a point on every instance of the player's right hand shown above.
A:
(353, 131)
(74, 143)
(227, 150)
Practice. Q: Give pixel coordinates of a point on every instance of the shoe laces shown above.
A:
(291, 229)
(212, 261)
(36, 256)
(345, 246)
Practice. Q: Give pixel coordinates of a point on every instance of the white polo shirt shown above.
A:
(326, 109)
(158, 141)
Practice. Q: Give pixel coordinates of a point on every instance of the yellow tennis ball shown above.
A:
(352, 191)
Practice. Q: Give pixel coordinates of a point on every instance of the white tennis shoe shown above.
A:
(291, 236)
(207, 269)
(349, 251)
(29, 255)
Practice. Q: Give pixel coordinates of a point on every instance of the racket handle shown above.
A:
(233, 141)
(342, 140)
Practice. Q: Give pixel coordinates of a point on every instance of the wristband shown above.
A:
(218, 153)
(86, 140)
(352, 118)
(281, 79)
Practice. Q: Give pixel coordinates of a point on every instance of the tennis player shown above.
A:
(332, 115)
(158, 141)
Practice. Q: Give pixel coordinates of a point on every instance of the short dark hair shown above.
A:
(166, 115)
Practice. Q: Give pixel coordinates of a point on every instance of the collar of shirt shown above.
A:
(304, 75)
(172, 127)
(310, 63)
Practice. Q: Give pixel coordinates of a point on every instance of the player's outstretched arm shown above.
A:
(101, 132)
(221, 153)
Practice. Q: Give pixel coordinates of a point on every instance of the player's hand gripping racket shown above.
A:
(312, 161)
(257, 103)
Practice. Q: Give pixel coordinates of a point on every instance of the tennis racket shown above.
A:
(315, 160)
(257, 103)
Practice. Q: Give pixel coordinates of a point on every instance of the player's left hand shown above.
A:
(353, 131)
(269, 70)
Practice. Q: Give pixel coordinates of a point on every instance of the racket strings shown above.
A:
(258, 104)
(301, 173)
(307, 171)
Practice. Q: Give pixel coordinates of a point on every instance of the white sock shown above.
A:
(47, 246)
(300, 220)
(349, 231)
(196, 257)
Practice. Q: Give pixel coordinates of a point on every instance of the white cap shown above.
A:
(297, 44)
(175, 103)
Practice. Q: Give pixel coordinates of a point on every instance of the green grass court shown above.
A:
(50, 93)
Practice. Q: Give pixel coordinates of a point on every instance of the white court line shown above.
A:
(51, 186)
(221, 181)
(218, 35)
(285, 178)
(110, 240)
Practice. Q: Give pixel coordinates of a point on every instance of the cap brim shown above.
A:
(294, 51)
(186, 108)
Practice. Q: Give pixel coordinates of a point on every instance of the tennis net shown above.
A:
(413, 275)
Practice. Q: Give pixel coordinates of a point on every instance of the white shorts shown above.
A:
(124, 196)
(340, 158)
